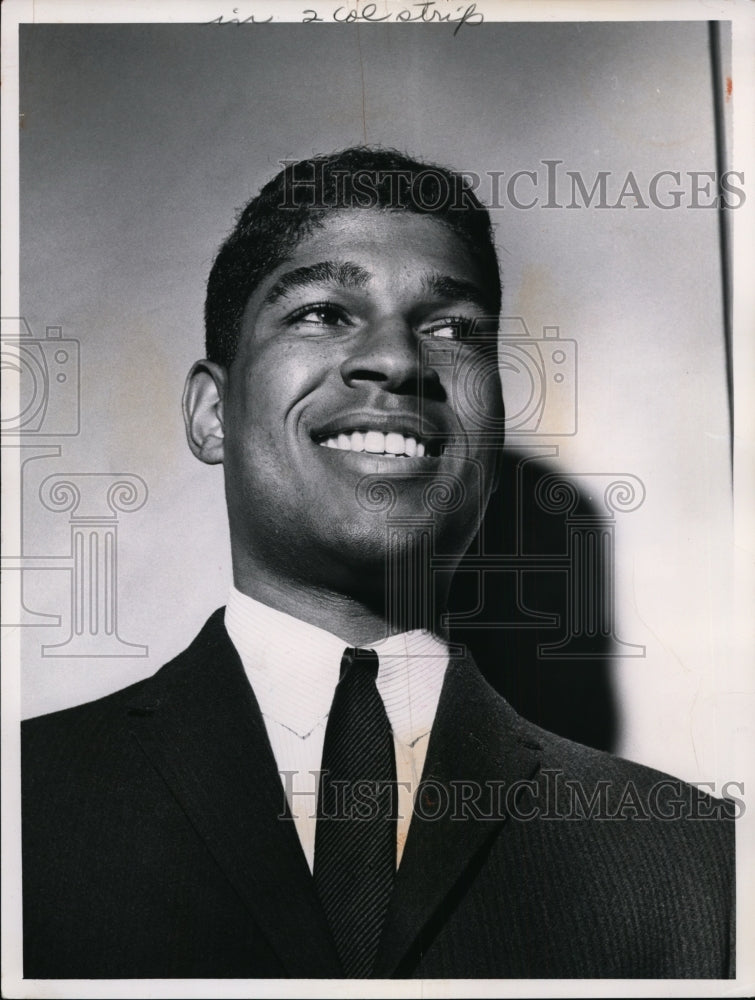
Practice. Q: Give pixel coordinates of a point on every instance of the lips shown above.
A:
(380, 434)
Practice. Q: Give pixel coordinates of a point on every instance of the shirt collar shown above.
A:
(294, 668)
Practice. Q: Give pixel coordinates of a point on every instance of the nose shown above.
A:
(389, 355)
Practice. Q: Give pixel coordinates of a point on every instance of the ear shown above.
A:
(203, 410)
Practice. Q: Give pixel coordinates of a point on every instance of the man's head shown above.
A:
(351, 384)
(299, 198)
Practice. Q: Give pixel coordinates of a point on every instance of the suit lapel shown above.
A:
(476, 739)
(199, 723)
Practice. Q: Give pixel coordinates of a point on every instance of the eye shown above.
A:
(320, 314)
(449, 328)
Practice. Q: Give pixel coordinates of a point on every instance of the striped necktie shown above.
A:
(355, 839)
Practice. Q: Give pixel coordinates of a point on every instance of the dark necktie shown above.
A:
(355, 838)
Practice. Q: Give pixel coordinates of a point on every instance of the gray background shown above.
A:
(138, 143)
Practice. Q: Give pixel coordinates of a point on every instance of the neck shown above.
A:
(356, 620)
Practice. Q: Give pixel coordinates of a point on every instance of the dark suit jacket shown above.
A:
(154, 847)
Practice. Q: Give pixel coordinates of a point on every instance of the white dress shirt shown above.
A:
(294, 668)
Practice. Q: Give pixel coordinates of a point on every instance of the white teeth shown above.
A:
(374, 442)
(394, 444)
(377, 443)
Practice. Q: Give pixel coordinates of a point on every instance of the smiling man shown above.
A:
(319, 786)
(329, 385)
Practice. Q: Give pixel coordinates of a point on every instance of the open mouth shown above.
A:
(392, 444)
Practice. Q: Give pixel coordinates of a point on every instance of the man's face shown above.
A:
(352, 363)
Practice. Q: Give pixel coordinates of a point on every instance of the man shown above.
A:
(182, 827)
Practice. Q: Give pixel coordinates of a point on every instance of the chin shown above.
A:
(357, 543)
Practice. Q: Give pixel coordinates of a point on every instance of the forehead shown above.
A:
(383, 243)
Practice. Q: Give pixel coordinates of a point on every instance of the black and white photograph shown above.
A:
(378, 547)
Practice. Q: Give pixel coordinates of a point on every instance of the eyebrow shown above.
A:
(345, 274)
(445, 287)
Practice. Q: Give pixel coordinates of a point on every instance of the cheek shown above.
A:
(264, 403)
(285, 371)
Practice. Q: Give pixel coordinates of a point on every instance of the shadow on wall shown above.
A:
(533, 599)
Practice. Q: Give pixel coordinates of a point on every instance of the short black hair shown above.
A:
(299, 198)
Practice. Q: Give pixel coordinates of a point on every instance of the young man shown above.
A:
(182, 827)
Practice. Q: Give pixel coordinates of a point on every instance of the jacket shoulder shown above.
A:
(647, 809)
(581, 762)
(44, 733)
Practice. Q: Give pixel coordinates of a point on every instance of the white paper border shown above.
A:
(742, 15)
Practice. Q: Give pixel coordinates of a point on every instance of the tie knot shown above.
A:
(361, 659)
